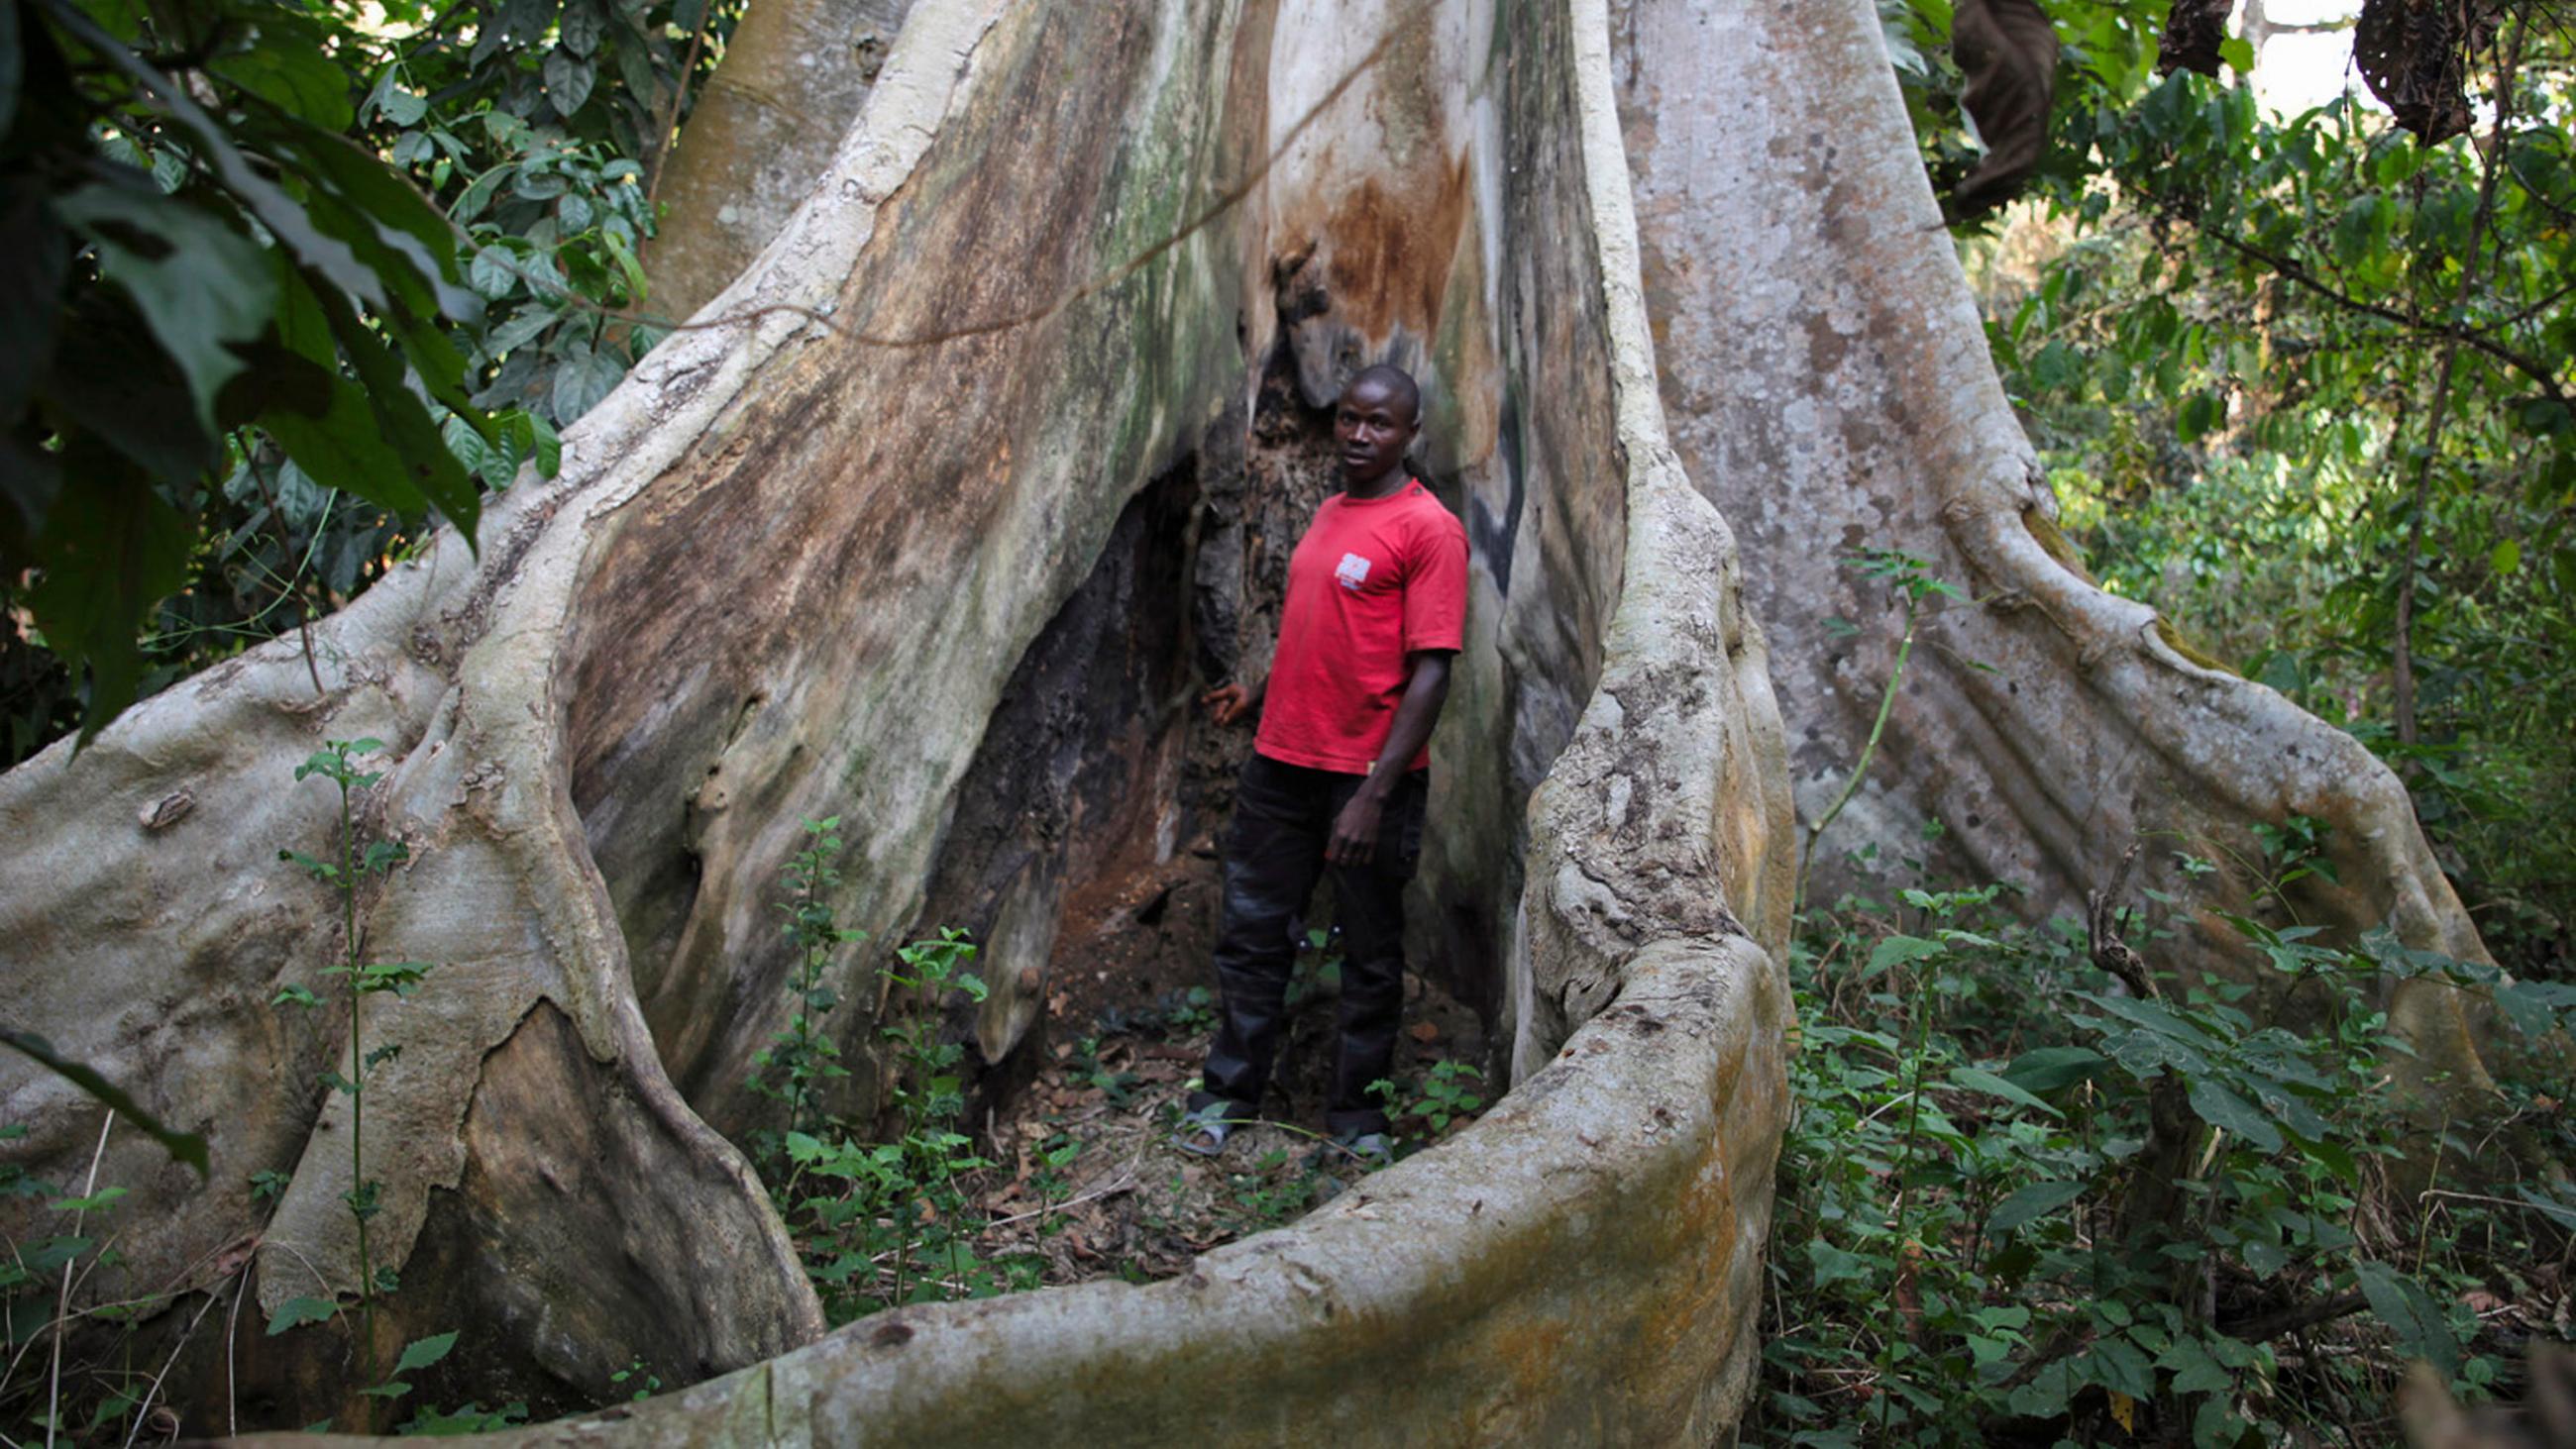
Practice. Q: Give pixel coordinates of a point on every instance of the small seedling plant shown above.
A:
(1449, 1095)
(349, 870)
(803, 1059)
(878, 1222)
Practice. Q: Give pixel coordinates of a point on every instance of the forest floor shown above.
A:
(1089, 1181)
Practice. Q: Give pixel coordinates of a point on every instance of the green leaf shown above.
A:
(582, 380)
(2194, 1371)
(287, 69)
(296, 1312)
(199, 284)
(2507, 556)
(2029, 1204)
(104, 1197)
(1976, 1080)
(581, 26)
(402, 232)
(404, 423)
(568, 81)
(2561, 1213)
(1896, 950)
(35, 256)
(181, 1146)
(111, 549)
(392, 1390)
(275, 209)
(2222, 1108)
(1833, 1265)
(495, 274)
(2118, 1365)
(2238, 53)
(420, 1353)
(2422, 1331)
(344, 449)
(2047, 1069)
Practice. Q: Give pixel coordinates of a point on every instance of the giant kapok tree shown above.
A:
(933, 520)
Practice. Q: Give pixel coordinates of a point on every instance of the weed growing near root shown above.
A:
(2037, 1192)
(1083, 1181)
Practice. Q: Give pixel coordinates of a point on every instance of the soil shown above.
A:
(1127, 1201)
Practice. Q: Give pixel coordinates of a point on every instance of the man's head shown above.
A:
(1375, 421)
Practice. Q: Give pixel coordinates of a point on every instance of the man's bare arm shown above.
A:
(1426, 689)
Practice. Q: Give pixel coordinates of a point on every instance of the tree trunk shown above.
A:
(936, 522)
(1829, 389)
(794, 75)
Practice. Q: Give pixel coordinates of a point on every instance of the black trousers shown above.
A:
(1283, 815)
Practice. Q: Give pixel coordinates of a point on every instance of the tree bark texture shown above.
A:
(936, 522)
(1829, 388)
(765, 125)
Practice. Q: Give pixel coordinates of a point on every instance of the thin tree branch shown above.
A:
(2402, 641)
(2290, 270)
(2267, 1326)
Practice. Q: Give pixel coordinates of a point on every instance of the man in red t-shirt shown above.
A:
(1377, 605)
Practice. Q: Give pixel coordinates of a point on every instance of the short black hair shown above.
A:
(1396, 380)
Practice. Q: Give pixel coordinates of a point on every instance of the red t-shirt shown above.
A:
(1371, 582)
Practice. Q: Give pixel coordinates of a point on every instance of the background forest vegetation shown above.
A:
(2298, 377)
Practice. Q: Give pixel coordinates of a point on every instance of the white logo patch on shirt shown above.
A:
(1353, 571)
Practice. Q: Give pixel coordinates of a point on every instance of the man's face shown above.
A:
(1373, 424)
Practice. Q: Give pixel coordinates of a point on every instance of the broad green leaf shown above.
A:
(2194, 1371)
(582, 380)
(200, 284)
(2557, 1211)
(181, 1146)
(568, 81)
(1976, 1080)
(420, 1353)
(287, 69)
(1896, 950)
(2401, 1303)
(275, 209)
(2118, 1365)
(2046, 1069)
(1833, 1265)
(2222, 1108)
(2026, 1205)
(103, 1198)
(495, 274)
(346, 449)
(581, 26)
(111, 549)
(296, 1312)
(405, 424)
(35, 256)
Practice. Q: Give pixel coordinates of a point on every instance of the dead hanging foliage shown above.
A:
(2415, 56)
(2008, 51)
(2194, 29)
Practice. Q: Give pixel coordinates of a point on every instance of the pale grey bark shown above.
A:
(787, 572)
(1830, 389)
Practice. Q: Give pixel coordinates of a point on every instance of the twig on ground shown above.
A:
(1125, 1182)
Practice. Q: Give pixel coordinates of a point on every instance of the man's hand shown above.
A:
(1354, 838)
(1228, 703)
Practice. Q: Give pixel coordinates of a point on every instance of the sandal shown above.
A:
(1203, 1130)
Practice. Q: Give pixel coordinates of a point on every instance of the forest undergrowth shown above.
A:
(2041, 1191)
(1075, 1175)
